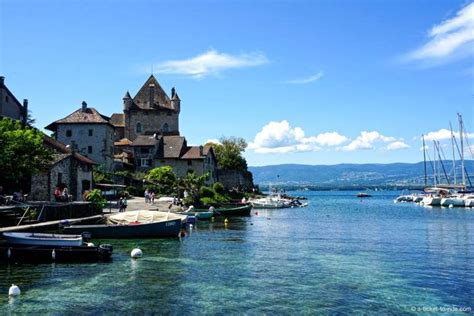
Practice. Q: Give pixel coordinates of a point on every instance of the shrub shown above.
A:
(218, 188)
(206, 192)
(135, 191)
(207, 201)
(95, 196)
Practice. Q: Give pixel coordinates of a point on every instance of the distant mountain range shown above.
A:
(354, 175)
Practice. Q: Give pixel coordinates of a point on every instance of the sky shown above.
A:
(308, 82)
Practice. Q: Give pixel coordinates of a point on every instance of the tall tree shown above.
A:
(22, 152)
(229, 153)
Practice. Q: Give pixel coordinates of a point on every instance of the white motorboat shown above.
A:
(431, 200)
(453, 201)
(267, 203)
(40, 239)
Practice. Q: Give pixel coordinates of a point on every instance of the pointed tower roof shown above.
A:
(152, 91)
(127, 95)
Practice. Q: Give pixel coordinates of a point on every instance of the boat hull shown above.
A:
(39, 239)
(165, 229)
(243, 210)
(41, 254)
(457, 202)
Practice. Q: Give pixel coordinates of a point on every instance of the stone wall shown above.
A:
(101, 141)
(72, 175)
(233, 179)
(40, 189)
(150, 121)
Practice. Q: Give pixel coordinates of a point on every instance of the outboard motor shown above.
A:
(86, 236)
(105, 251)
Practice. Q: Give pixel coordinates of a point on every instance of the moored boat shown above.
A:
(240, 210)
(363, 195)
(134, 224)
(46, 254)
(41, 239)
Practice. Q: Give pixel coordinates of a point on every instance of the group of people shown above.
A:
(123, 204)
(18, 196)
(62, 195)
(149, 197)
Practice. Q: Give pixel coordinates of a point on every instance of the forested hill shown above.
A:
(354, 174)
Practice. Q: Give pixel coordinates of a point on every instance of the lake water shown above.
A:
(339, 255)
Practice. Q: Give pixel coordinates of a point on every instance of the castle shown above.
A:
(146, 135)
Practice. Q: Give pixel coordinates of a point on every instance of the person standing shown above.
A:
(124, 204)
(152, 197)
(147, 196)
(120, 203)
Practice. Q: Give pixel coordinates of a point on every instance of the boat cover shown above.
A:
(142, 217)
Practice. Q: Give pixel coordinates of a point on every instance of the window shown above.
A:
(139, 127)
(89, 149)
(6, 98)
(144, 150)
(144, 162)
(190, 162)
(68, 133)
(60, 178)
(90, 132)
(165, 128)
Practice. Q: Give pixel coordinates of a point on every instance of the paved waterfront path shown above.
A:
(138, 203)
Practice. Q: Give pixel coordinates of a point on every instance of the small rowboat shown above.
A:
(40, 239)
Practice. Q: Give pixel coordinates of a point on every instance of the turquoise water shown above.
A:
(339, 255)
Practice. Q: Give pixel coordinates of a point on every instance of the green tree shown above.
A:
(192, 184)
(164, 175)
(22, 152)
(229, 153)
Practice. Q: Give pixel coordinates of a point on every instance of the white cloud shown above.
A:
(281, 137)
(443, 134)
(397, 145)
(309, 79)
(210, 63)
(212, 141)
(366, 140)
(449, 37)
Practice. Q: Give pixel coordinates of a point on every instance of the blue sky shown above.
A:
(313, 82)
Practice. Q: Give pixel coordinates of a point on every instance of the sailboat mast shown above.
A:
(435, 165)
(454, 155)
(462, 148)
(424, 157)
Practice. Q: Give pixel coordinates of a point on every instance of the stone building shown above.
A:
(156, 151)
(148, 131)
(89, 133)
(151, 111)
(67, 169)
(10, 106)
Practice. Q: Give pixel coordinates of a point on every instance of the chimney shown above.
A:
(25, 112)
(2, 80)
(84, 106)
(152, 95)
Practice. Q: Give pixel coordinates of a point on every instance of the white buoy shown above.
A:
(14, 290)
(451, 205)
(90, 244)
(191, 226)
(53, 254)
(136, 253)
